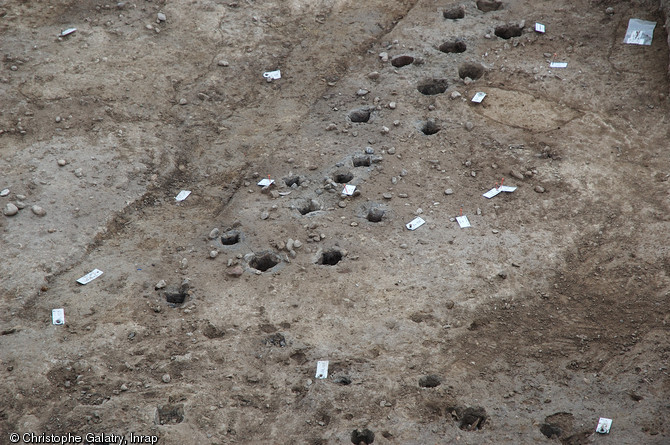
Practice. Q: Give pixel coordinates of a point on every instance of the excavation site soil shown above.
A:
(548, 313)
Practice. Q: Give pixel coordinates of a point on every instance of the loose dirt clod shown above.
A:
(453, 46)
(400, 61)
(360, 115)
(508, 31)
(472, 70)
(454, 12)
(431, 87)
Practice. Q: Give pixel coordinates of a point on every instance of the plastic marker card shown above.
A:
(58, 316)
(322, 369)
(479, 97)
(415, 223)
(507, 188)
(182, 195)
(92, 275)
(558, 65)
(491, 193)
(274, 75)
(639, 32)
(348, 190)
(539, 27)
(463, 221)
(265, 182)
(604, 425)
(68, 31)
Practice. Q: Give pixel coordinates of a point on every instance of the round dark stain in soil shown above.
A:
(489, 5)
(292, 180)
(454, 12)
(400, 61)
(343, 177)
(472, 70)
(431, 87)
(330, 257)
(453, 46)
(362, 161)
(365, 436)
(508, 31)
(230, 238)
(430, 381)
(472, 418)
(430, 127)
(167, 414)
(264, 261)
(360, 115)
(308, 206)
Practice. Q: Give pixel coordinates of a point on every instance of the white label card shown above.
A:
(92, 275)
(68, 32)
(463, 221)
(265, 182)
(604, 425)
(182, 195)
(322, 369)
(479, 97)
(558, 65)
(539, 27)
(507, 188)
(415, 223)
(491, 193)
(348, 190)
(58, 316)
(272, 74)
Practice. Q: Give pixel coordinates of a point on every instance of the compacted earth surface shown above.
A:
(549, 312)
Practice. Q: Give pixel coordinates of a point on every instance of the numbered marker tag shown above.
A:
(479, 97)
(507, 188)
(322, 369)
(491, 193)
(68, 31)
(182, 195)
(92, 275)
(348, 190)
(265, 182)
(415, 223)
(558, 65)
(274, 75)
(539, 27)
(604, 425)
(58, 316)
(463, 221)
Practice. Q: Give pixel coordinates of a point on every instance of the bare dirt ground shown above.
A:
(549, 312)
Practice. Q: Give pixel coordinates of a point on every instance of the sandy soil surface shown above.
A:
(206, 327)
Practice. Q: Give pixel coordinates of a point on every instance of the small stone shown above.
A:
(37, 210)
(184, 263)
(469, 126)
(13, 67)
(58, 119)
(21, 197)
(609, 11)
(79, 172)
(160, 17)
(539, 189)
(223, 63)
(385, 130)
(547, 55)
(473, 173)
(402, 195)
(403, 246)
(160, 285)
(331, 127)
(166, 378)
(124, 387)
(384, 56)
(392, 105)
(62, 162)
(369, 150)
(354, 224)
(236, 271)
(297, 244)
(394, 180)
(502, 274)
(495, 231)
(373, 75)
(455, 95)
(403, 172)
(515, 174)
(265, 215)
(391, 151)
(214, 233)
(387, 196)
(467, 81)
(396, 123)
(20, 204)
(479, 211)
(213, 253)
(487, 36)
(362, 92)
(183, 101)
(448, 192)
(5, 192)
(449, 304)
(342, 204)
(10, 209)
(289, 244)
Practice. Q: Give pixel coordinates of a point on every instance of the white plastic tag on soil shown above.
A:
(274, 75)
(479, 97)
(491, 193)
(639, 32)
(348, 190)
(507, 188)
(539, 27)
(58, 316)
(265, 182)
(67, 32)
(558, 65)
(322, 369)
(604, 425)
(463, 221)
(182, 195)
(415, 223)
(92, 275)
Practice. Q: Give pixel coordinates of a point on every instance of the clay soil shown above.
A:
(550, 312)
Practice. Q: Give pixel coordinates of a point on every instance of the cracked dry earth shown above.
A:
(549, 312)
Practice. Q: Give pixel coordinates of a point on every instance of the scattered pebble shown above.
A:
(369, 150)
(391, 151)
(235, 271)
(5, 192)
(473, 173)
(516, 175)
(223, 63)
(297, 244)
(392, 105)
(448, 192)
(342, 204)
(455, 94)
(58, 119)
(182, 101)
(373, 75)
(160, 17)
(160, 285)
(539, 189)
(467, 81)
(214, 233)
(362, 92)
(265, 215)
(403, 172)
(62, 162)
(79, 172)
(384, 56)
(331, 127)
(10, 209)
(37, 210)
(387, 196)
(20, 205)
(609, 11)
(385, 130)
(166, 378)
(469, 126)
(213, 253)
